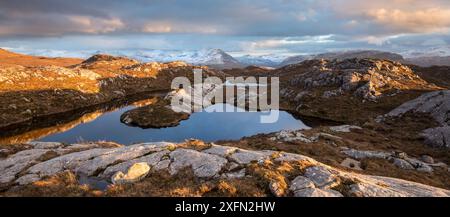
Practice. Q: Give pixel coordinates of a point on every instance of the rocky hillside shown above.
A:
(333, 88)
(8, 58)
(435, 105)
(371, 54)
(28, 91)
(439, 75)
(200, 169)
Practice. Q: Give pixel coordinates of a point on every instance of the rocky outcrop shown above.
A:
(365, 78)
(131, 163)
(299, 136)
(103, 57)
(437, 106)
(438, 137)
(399, 159)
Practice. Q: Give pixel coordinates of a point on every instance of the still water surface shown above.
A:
(207, 126)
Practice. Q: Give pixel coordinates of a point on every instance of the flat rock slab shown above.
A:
(204, 165)
(321, 177)
(246, 157)
(219, 150)
(378, 186)
(14, 164)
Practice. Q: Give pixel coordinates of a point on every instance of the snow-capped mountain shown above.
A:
(209, 57)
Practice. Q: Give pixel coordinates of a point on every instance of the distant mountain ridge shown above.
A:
(220, 59)
(360, 54)
(426, 61)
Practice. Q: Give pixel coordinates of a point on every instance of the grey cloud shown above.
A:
(239, 17)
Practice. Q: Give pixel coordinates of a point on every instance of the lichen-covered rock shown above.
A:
(301, 182)
(89, 162)
(246, 157)
(27, 179)
(402, 164)
(420, 165)
(427, 159)
(153, 160)
(46, 145)
(329, 137)
(436, 104)
(235, 175)
(69, 161)
(377, 186)
(134, 173)
(360, 154)
(15, 163)
(100, 162)
(344, 128)
(219, 150)
(292, 135)
(321, 177)
(277, 188)
(401, 159)
(316, 180)
(316, 192)
(351, 164)
(204, 165)
(289, 157)
(437, 137)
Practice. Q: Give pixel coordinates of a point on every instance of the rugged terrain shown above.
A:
(188, 169)
(31, 92)
(349, 91)
(392, 122)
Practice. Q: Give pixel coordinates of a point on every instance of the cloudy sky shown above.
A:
(248, 26)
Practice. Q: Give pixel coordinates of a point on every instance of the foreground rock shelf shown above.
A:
(279, 173)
